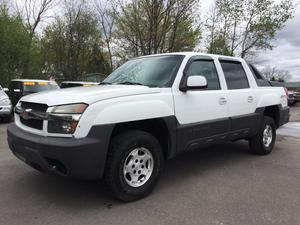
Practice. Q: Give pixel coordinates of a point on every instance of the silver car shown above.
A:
(5, 106)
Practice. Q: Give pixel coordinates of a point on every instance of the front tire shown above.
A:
(134, 164)
(263, 142)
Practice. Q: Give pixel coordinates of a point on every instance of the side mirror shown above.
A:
(196, 82)
(5, 90)
(193, 82)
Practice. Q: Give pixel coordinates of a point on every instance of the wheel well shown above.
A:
(156, 127)
(273, 111)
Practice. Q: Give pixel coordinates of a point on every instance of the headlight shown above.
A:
(64, 119)
(69, 109)
(5, 101)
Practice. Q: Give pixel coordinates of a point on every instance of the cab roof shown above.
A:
(190, 54)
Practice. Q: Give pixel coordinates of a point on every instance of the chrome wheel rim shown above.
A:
(138, 167)
(267, 135)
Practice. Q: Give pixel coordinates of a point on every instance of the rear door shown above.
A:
(241, 98)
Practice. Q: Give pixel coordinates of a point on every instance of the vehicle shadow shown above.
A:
(193, 164)
(85, 195)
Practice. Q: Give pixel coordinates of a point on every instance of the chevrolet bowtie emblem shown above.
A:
(24, 113)
(19, 110)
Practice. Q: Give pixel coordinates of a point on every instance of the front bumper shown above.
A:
(284, 115)
(77, 158)
(5, 110)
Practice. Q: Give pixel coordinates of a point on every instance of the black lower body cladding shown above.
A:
(284, 115)
(86, 158)
(77, 158)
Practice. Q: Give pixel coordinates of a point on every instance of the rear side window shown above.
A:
(234, 74)
(207, 69)
(255, 72)
(260, 80)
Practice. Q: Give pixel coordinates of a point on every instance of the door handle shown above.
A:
(222, 101)
(250, 99)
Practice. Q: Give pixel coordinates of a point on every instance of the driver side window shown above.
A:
(207, 69)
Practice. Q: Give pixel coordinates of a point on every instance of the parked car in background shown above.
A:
(5, 106)
(290, 94)
(297, 96)
(69, 84)
(21, 87)
(293, 97)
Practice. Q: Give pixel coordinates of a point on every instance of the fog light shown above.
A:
(69, 127)
(66, 126)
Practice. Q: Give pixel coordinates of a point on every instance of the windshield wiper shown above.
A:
(104, 83)
(131, 83)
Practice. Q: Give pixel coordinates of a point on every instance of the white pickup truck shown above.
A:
(147, 111)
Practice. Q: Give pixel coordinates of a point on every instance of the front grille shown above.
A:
(35, 123)
(34, 106)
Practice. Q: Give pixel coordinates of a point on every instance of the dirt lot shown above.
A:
(221, 185)
(295, 113)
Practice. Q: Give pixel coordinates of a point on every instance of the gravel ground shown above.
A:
(295, 113)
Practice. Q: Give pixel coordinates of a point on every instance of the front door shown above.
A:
(202, 114)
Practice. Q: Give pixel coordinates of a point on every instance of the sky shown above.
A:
(286, 53)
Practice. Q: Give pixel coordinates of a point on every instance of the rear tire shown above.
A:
(134, 164)
(263, 142)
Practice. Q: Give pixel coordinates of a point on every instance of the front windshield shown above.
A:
(156, 71)
(39, 86)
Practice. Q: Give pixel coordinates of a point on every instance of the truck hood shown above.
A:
(87, 95)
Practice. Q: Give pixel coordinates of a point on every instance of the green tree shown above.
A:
(14, 52)
(33, 12)
(219, 46)
(247, 25)
(72, 44)
(156, 26)
(105, 12)
(13, 41)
